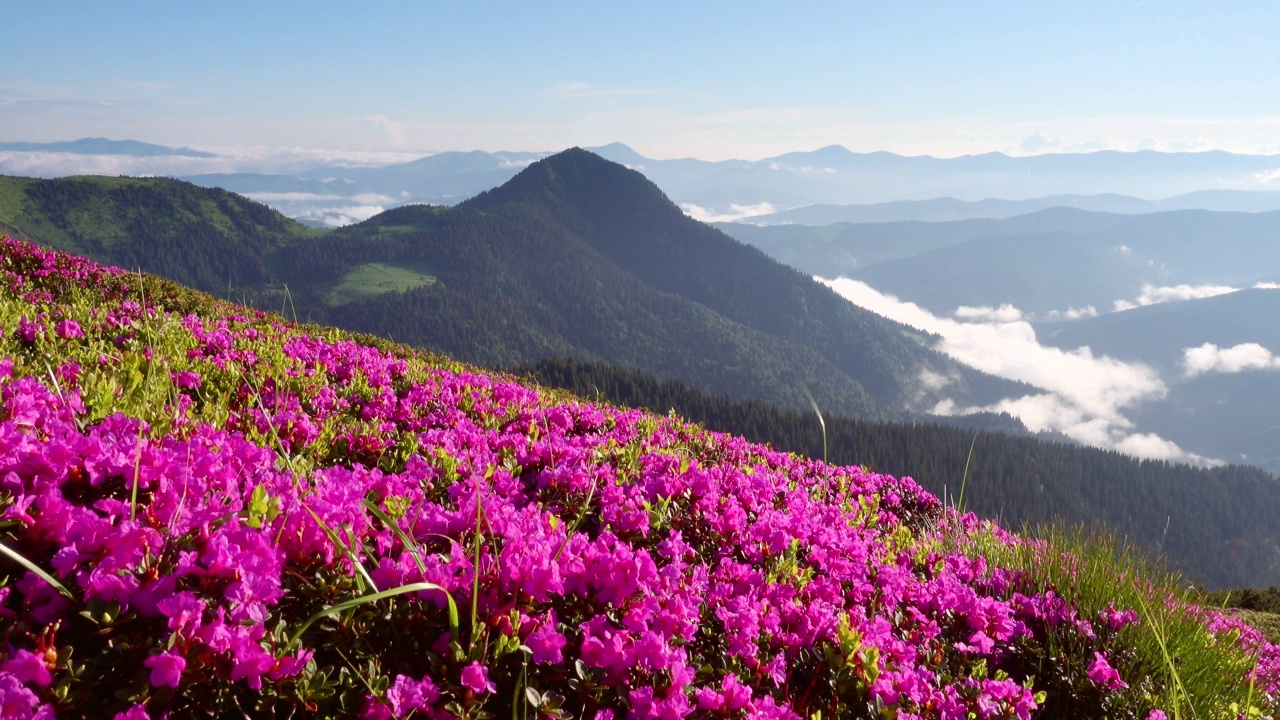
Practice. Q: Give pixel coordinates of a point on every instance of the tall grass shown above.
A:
(1193, 673)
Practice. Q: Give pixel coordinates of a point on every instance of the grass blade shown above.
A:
(18, 558)
(965, 479)
(816, 411)
(409, 543)
(346, 550)
(372, 597)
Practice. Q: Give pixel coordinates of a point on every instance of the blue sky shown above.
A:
(705, 79)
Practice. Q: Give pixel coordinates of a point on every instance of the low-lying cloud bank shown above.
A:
(1152, 295)
(340, 216)
(330, 210)
(1084, 396)
(1209, 358)
(736, 212)
(240, 159)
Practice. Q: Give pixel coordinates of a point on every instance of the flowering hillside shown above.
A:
(211, 512)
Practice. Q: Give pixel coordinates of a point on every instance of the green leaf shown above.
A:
(533, 696)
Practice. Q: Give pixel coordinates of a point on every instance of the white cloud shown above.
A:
(393, 129)
(1123, 249)
(736, 212)
(1266, 286)
(510, 163)
(1073, 313)
(1006, 313)
(372, 199)
(230, 159)
(1038, 142)
(341, 215)
(270, 197)
(1267, 177)
(1238, 358)
(1084, 396)
(931, 380)
(1152, 294)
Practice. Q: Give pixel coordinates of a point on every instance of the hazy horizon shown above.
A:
(716, 81)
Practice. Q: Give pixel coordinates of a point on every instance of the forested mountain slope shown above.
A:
(533, 269)
(574, 256)
(205, 238)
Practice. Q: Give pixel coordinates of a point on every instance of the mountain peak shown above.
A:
(577, 177)
(620, 153)
(833, 151)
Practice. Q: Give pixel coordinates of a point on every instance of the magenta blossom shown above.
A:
(18, 702)
(406, 695)
(1101, 672)
(28, 668)
(166, 669)
(476, 678)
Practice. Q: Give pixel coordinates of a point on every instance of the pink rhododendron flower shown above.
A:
(166, 669)
(406, 695)
(1101, 672)
(68, 329)
(19, 703)
(545, 642)
(28, 668)
(475, 677)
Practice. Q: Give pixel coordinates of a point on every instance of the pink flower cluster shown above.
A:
(617, 563)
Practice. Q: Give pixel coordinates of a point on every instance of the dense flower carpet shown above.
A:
(218, 513)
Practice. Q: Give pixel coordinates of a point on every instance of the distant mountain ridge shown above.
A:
(918, 187)
(921, 187)
(1158, 334)
(103, 146)
(949, 208)
(1041, 262)
(1109, 288)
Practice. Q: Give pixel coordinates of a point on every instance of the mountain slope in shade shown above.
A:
(1159, 334)
(846, 248)
(1231, 411)
(1045, 261)
(1036, 273)
(577, 255)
